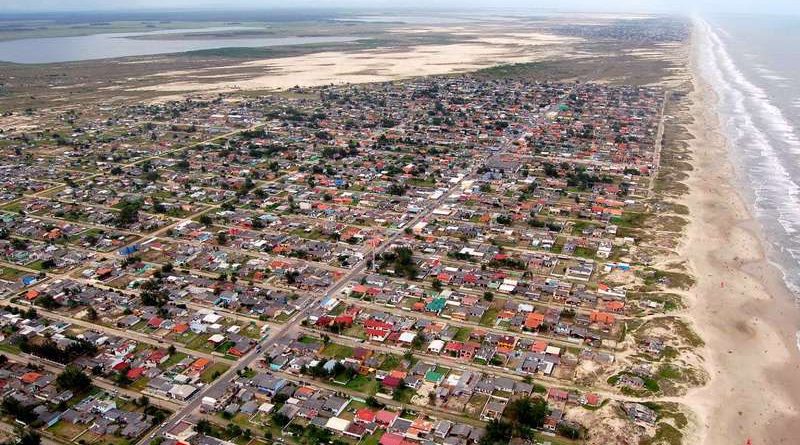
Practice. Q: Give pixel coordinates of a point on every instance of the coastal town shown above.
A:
(450, 260)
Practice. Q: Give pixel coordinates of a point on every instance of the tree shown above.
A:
(280, 419)
(205, 220)
(128, 213)
(48, 302)
(14, 408)
(122, 379)
(91, 313)
(153, 294)
(171, 350)
(25, 436)
(498, 432)
(29, 437)
(570, 430)
(372, 402)
(74, 379)
(233, 430)
(526, 413)
(203, 426)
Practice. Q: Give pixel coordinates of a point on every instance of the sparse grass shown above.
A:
(208, 375)
(669, 372)
(666, 434)
(363, 384)
(337, 351)
(631, 220)
(389, 363)
(490, 316)
(462, 334)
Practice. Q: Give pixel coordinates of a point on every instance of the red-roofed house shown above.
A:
(385, 418)
(364, 415)
(135, 373)
(377, 330)
(391, 439)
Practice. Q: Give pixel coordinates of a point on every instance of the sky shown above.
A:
(733, 6)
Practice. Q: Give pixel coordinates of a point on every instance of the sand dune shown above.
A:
(375, 65)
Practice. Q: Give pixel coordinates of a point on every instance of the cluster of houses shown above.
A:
(156, 371)
(505, 206)
(36, 391)
(266, 394)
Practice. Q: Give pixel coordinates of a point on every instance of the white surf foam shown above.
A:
(776, 194)
(772, 115)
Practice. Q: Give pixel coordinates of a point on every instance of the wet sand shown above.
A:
(740, 306)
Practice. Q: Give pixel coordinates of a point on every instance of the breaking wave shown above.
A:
(764, 147)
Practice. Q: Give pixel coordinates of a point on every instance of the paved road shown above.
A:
(293, 324)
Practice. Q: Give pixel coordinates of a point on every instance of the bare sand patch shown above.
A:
(373, 65)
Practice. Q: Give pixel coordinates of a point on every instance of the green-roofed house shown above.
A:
(434, 377)
(436, 305)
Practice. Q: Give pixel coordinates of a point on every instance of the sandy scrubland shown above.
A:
(484, 49)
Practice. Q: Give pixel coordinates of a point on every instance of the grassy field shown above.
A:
(337, 351)
(208, 375)
(363, 384)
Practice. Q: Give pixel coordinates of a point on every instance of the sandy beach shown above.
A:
(740, 305)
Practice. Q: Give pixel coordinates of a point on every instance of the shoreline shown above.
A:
(740, 306)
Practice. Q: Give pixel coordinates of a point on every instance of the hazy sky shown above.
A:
(761, 6)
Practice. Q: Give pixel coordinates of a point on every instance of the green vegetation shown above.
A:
(337, 351)
(74, 379)
(520, 418)
(401, 260)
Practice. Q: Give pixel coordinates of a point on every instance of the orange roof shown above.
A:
(30, 377)
(200, 364)
(398, 374)
(534, 320)
(601, 317)
(506, 315)
(539, 346)
(180, 328)
(31, 294)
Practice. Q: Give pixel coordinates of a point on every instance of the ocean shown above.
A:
(753, 65)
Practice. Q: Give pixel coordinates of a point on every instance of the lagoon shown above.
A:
(114, 45)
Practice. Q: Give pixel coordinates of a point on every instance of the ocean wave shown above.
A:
(768, 74)
(774, 192)
(771, 114)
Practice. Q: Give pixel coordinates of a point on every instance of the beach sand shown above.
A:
(740, 305)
